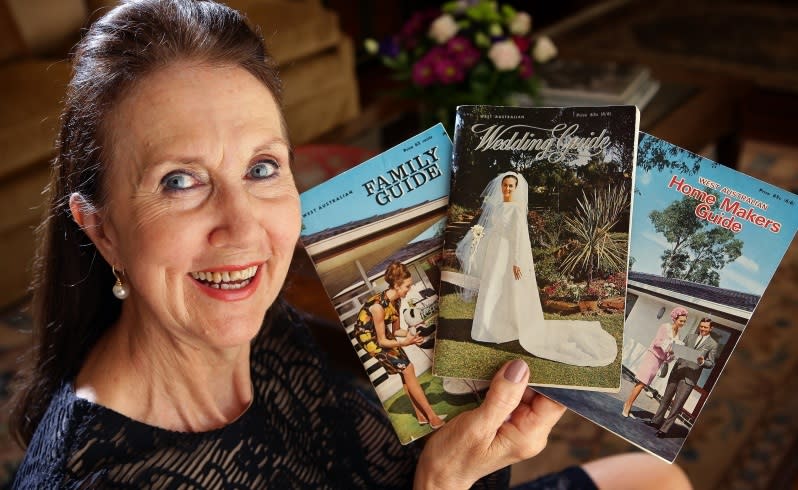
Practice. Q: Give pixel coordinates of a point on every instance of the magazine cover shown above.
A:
(705, 243)
(375, 235)
(537, 229)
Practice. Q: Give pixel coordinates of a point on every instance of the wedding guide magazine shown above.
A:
(375, 235)
(705, 242)
(535, 250)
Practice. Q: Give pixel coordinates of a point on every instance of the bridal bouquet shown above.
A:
(467, 52)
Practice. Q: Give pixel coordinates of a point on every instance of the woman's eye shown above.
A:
(263, 169)
(178, 181)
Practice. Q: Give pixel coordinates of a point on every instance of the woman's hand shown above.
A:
(517, 272)
(512, 424)
(411, 339)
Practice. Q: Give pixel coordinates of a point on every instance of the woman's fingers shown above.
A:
(505, 393)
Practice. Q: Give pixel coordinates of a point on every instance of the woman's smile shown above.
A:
(205, 206)
(230, 283)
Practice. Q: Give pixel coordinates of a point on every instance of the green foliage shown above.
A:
(656, 154)
(547, 267)
(460, 213)
(594, 246)
(697, 253)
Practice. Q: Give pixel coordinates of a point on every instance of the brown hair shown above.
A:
(72, 300)
(510, 176)
(396, 273)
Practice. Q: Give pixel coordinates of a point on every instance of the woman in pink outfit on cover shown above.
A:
(658, 352)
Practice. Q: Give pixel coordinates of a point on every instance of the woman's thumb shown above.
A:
(505, 393)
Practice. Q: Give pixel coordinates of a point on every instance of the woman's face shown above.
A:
(680, 321)
(202, 212)
(508, 187)
(404, 287)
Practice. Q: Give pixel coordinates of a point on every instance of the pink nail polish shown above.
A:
(516, 371)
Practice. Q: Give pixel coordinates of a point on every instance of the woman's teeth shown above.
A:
(227, 279)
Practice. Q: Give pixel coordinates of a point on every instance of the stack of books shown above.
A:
(590, 83)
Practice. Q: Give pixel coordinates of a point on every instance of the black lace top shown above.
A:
(305, 429)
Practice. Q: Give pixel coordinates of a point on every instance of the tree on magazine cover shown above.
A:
(696, 254)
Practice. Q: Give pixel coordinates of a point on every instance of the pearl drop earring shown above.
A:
(119, 289)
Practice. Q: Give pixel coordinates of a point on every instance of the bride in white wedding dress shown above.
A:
(497, 251)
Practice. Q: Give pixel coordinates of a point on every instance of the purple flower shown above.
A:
(423, 72)
(447, 71)
(463, 52)
(390, 47)
(527, 69)
(417, 26)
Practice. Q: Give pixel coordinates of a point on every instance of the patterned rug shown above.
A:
(746, 436)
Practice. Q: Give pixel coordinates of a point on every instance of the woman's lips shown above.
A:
(226, 284)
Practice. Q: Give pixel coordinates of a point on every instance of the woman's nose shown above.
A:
(236, 224)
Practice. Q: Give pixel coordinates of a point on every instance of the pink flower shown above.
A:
(522, 42)
(443, 28)
(448, 72)
(463, 52)
(505, 55)
(423, 73)
(418, 23)
(527, 69)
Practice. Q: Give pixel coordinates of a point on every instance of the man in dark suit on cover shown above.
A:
(684, 376)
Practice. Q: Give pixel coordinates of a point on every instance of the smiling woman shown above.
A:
(196, 185)
(164, 357)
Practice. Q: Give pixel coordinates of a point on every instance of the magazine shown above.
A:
(375, 235)
(705, 243)
(537, 228)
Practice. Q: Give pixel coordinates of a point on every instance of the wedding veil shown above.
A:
(468, 251)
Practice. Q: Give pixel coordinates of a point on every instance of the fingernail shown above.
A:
(516, 371)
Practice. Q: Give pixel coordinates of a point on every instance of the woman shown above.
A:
(498, 252)
(659, 352)
(381, 342)
(171, 221)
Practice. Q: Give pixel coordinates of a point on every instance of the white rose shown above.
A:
(505, 55)
(521, 24)
(544, 50)
(443, 28)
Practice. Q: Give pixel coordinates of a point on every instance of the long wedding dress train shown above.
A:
(509, 309)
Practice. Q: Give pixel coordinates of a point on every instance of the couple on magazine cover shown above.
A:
(685, 372)
(497, 251)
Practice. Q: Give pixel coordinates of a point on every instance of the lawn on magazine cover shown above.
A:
(400, 410)
(477, 360)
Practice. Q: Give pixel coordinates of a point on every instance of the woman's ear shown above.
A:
(89, 219)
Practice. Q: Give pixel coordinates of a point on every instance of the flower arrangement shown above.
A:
(593, 291)
(466, 52)
(477, 232)
(564, 290)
